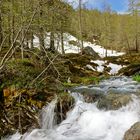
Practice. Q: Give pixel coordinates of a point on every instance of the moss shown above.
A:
(90, 80)
(130, 69)
(76, 80)
(74, 43)
(70, 84)
(136, 78)
(20, 73)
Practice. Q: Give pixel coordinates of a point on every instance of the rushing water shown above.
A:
(47, 120)
(86, 122)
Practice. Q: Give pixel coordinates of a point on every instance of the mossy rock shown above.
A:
(74, 43)
(78, 59)
(113, 101)
(90, 52)
(130, 69)
(133, 133)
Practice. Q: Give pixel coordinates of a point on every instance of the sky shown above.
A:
(117, 5)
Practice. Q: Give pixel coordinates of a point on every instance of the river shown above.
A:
(86, 121)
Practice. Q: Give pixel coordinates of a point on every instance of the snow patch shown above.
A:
(114, 67)
(100, 63)
(70, 48)
(90, 67)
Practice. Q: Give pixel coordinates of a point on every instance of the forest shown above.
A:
(20, 21)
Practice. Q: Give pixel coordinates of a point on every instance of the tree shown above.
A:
(80, 23)
(1, 34)
(106, 37)
(134, 9)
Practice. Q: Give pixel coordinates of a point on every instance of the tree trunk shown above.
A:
(12, 27)
(22, 45)
(41, 31)
(128, 44)
(80, 24)
(137, 28)
(32, 40)
(137, 44)
(1, 34)
(62, 43)
(52, 46)
(41, 39)
(9, 30)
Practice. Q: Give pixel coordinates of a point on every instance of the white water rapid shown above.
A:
(86, 122)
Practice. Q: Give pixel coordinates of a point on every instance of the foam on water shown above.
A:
(87, 122)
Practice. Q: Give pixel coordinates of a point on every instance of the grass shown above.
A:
(20, 73)
(92, 80)
(70, 84)
(136, 78)
(84, 81)
(89, 80)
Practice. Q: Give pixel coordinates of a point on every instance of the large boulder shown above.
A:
(113, 101)
(133, 133)
(89, 51)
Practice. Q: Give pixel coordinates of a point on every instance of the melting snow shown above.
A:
(114, 67)
(90, 67)
(70, 48)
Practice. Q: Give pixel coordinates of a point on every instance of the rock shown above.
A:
(90, 94)
(113, 101)
(74, 43)
(126, 90)
(130, 70)
(89, 51)
(77, 59)
(133, 133)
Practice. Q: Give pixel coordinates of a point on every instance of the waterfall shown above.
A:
(47, 120)
(86, 122)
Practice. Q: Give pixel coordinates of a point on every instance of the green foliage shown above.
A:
(20, 73)
(70, 84)
(90, 80)
(136, 78)
(114, 31)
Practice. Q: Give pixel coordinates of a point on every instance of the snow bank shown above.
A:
(70, 48)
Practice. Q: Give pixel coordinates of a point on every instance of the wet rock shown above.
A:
(89, 51)
(90, 94)
(122, 90)
(133, 133)
(113, 101)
